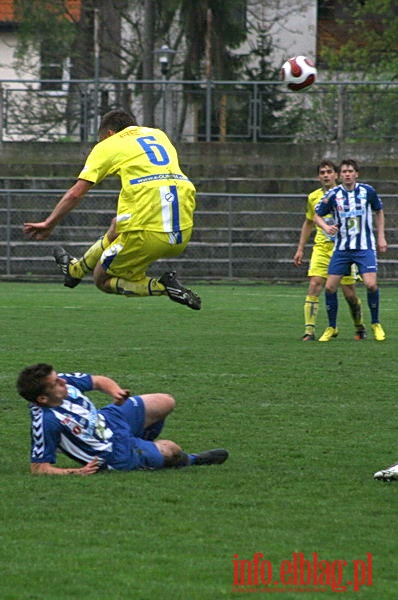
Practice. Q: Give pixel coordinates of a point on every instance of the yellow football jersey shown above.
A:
(320, 236)
(155, 194)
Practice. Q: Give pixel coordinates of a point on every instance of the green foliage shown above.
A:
(221, 29)
(370, 50)
(306, 426)
(259, 67)
(228, 22)
(205, 35)
(42, 21)
(374, 113)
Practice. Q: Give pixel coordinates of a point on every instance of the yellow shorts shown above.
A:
(320, 259)
(132, 252)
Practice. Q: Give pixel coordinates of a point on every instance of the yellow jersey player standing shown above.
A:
(154, 213)
(320, 258)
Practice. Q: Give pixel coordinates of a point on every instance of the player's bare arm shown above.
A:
(71, 199)
(111, 388)
(330, 230)
(306, 230)
(49, 469)
(381, 239)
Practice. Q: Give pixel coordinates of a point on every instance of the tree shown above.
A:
(68, 28)
(370, 49)
(83, 37)
(368, 53)
(109, 47)
(43, 27)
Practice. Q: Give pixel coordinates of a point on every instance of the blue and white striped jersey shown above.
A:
(75, 427)
(352, 211)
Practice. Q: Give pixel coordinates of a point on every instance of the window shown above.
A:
(51, 67)
(326, 9)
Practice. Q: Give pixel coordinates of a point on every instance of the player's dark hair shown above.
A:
(350, 162)
(117, 120)
(327, 163)
(30, 382)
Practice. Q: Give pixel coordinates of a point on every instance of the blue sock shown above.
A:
(331, 308)
(151, 432)
(373, 303)
(185, 460)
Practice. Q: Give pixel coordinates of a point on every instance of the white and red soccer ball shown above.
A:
(299, 73)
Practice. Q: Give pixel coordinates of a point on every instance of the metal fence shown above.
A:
(202, 110)
(250, 236)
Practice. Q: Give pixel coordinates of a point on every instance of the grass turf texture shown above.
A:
(306, 425)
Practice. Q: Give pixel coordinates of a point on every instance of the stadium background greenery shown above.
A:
(306, 426)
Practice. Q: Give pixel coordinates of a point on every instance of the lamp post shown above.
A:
(165, 54)
(96, 66)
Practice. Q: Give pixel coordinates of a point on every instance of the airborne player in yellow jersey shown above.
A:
(154, 214)
(320, 258)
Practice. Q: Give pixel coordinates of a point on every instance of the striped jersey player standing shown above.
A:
(154, 213)
(352, 204)
(320, 257)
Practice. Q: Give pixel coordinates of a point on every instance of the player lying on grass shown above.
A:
(118, 436)
(388, 474)
(154, 213)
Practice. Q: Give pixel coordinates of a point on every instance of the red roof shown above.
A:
(7, 13)
(6, 10)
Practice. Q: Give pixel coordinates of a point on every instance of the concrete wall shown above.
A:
(303, 157)
(251, 205)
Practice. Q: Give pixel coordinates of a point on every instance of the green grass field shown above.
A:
(306, 426)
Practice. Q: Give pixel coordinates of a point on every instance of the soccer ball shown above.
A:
(299, 73)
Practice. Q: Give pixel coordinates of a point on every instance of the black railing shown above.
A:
(251, 111)
(236, 235)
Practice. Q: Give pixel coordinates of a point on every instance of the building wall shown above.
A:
(296, 33)
(8, 41)
(292, 27)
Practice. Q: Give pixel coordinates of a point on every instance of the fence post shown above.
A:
(1, 113)
(255, 113)
(230, 256)
(8, 228)
(340, 113)
(208, 110)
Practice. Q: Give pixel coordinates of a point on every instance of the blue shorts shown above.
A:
(130, 451)
(341, 261)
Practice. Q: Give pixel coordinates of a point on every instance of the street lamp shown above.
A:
(165, 54)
